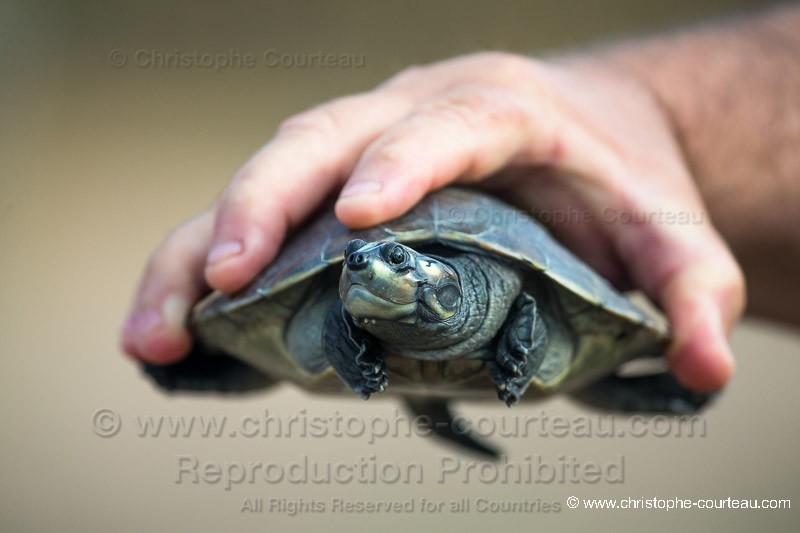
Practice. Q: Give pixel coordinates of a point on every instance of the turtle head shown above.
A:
(389, 281)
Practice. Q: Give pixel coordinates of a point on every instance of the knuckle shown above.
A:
(504, 66)
(392, 151)
(159, 259)
(238, 201)
(175, 244)
(408, 76)
(497, 59)
(252, 203)
(464, 107)
(228, 194)
(474, 106)
(320, 123)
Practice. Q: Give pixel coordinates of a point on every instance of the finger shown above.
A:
(690, 273)
(289, 178)
(684, 267)
(155, 330)
(502, 68)
(542, 193)
(697, 303)
(463, 135)
(472, 133)
(310, 157)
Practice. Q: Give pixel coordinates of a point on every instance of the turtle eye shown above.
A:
(397, 256)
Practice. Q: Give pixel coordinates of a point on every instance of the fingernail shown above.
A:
(355, 188)
(174, 310)
(224, 250)
(144, 321)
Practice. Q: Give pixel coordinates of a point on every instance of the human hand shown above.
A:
(548, 137)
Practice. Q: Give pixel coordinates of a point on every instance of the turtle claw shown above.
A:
(509, 387)
(510, 395)
(375, 379)
(509, 399)
(512, 364)
(371, 388)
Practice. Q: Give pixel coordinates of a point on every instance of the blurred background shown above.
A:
(102, 152)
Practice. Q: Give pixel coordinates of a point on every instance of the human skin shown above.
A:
(641, 127)
(735, 110)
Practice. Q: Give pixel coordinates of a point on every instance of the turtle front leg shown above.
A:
(520, 350)
(353, 353)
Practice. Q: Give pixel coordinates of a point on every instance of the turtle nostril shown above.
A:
(356, 261)
(354, 246)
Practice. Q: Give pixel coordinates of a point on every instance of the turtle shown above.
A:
(463, 297)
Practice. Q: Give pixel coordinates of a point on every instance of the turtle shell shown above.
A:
(609, 327)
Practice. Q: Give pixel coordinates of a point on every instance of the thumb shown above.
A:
(690, 273)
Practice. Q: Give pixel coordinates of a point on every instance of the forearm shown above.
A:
(732, 93)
